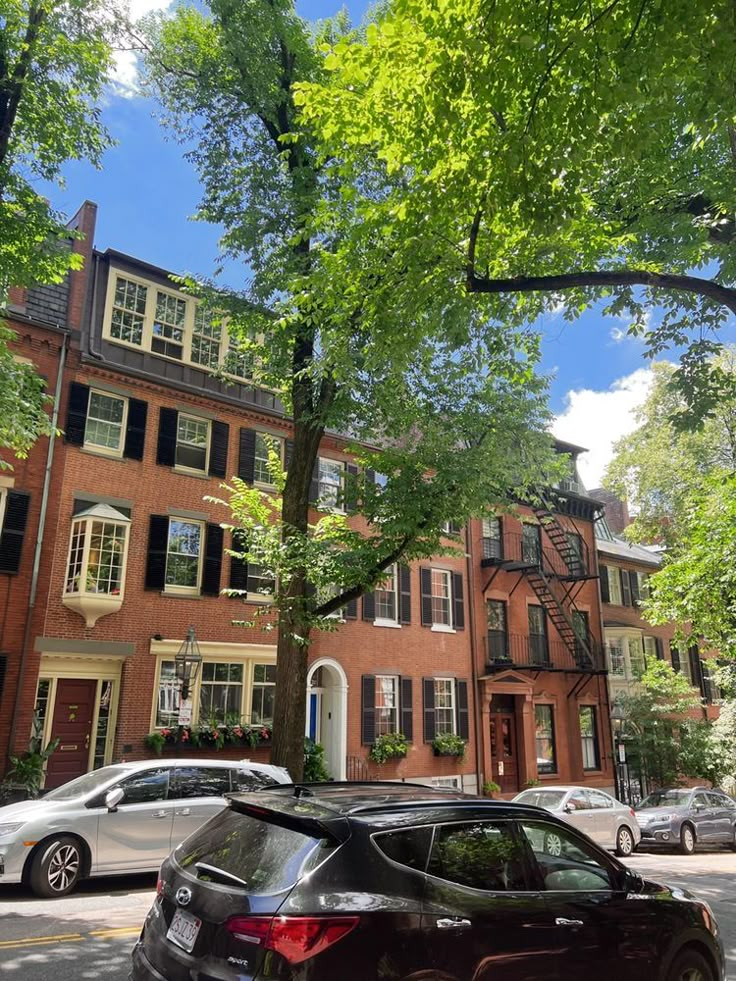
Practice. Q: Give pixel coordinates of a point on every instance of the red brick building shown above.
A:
(133, 555)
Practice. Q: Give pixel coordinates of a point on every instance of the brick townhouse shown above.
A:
(630, 641)
(133, 555)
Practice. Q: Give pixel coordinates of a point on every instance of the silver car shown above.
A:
(118, 819)
(608, 822)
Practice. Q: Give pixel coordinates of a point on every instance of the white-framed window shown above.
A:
(444, 705)
(106, 418)
(650, 648)
(587, 716)
(261, 472)
(614, 585)
(3, 502)
(441, 599)
(192, 443)
(626, 659)
(386, 599)
(168, 697)
(168, 326)
(492, 540)
(221, 691)
(238, 362)
(616, 657)
(387, 704)
(127, 319)
(263, 694)
(261, 584)
(331, 476)
(637, 663)
(206, 338)
(184, 555)
(97, 556)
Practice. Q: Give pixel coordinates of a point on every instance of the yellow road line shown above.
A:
(116, 932)
(64, 938)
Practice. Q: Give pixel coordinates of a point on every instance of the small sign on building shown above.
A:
(185, 712)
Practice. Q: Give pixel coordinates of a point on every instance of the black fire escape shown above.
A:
(556, 563)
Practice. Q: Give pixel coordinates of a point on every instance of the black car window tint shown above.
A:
(243, 779)
(700, 800)
(566, 863)
(409, 847)
(715, 800)
(200, 781)
(484, 855)
(143, 788)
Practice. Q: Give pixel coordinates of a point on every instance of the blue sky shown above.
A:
(146, 192)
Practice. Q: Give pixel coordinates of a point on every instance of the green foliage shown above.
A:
(541, 154)
(155, 741)
(212, 734)
(389, 746)
(27, 770)
(534, 782)
(22, 402)
(490, 788)
(697, 584)
(449, 744)
(315, 768)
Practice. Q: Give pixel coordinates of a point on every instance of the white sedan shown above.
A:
(601, 817)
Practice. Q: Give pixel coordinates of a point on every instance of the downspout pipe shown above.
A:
(477, 715)
(39, 540)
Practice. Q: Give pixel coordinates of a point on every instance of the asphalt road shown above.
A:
(90, 934)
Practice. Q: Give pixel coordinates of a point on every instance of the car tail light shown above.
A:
(160, 887)
(632, 812)
(296, 938)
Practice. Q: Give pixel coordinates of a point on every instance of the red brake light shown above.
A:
(295, 938)
(159, 886)
(632, 812)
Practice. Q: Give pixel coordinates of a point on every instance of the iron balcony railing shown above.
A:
(536, 651)
(514, 551)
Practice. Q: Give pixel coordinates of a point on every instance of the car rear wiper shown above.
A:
(226, 877)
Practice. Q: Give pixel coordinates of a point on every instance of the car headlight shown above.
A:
(10, 829)
(708, 919)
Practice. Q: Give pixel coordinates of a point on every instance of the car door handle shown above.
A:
(184, 812)
(453, 923)
(563, 921)
(160, 814)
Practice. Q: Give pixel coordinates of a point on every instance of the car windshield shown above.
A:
(87, 784)
(665, 798)
(549, 799)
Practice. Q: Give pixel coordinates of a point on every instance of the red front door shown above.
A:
(72, 723)
(503, 752)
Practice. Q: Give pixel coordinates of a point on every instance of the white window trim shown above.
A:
(263, 598)
(334, 508)
(106, 450)
(269, 485)
(3, 503)
(249, 660)
(617, 578)
(453, 699)
(445, 628)
(89, 521)
(397, 700)
(179, 467)
(174, 590)
(149, 315)
(624, 636)
(391, 621)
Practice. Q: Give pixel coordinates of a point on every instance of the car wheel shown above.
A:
(624, 842)
(687, 839)
(690, 966)
(56, 867)
(552, 843)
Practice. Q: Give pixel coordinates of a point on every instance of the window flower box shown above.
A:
(209, 736)
(449, 744)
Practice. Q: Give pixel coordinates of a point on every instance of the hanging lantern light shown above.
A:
(187, 663)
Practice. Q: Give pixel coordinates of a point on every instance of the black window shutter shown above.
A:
(13, 530)
(314, 484)
(660, 648)
(605, 592)
(351, 488)
(238, 567)
(407, 718)
(674, 657)
(463, 716)
(703, 677)
(404, 594)
(425, 578)
(219, 438)
(158, 541)
(695, 668)
(430, 727)
(76, 414)
(368, 710)
(135, 430)
(212, 560)
(634, 584)
(458, 618)
(370, 476)
(247, 455)
(166, 448)
(369, 606)
(625, 588)
(351, 610)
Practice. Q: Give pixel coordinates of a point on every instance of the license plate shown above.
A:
(183, 930)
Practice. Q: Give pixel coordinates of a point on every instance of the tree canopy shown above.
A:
(538, 154)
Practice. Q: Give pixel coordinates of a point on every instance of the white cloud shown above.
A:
(125, 62)
(617, 335)
(596, 419)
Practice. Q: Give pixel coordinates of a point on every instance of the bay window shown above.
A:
(95, 572)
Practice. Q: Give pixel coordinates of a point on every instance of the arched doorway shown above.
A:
(327, 704)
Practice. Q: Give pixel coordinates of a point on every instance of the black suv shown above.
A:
(396, 882)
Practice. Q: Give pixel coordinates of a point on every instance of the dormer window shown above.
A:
(95, 572)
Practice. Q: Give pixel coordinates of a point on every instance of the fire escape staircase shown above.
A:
(565, 548)
(578, 646)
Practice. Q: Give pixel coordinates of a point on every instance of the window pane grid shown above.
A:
(128, 311)
(182, 560)
(545, 739)
(261, 472)
(385, 597)
(192, 436)
(106, 550)
(168, 327)
(330, 482)
(589, 737)
(441, 597)
(167, 707)
(444, 705)
(104, 421)
(76, 558)
(221, 691)
(237, 361)
(386, 705)
(206, 339)
(262, 697)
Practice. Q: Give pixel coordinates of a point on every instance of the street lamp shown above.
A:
(187, 663)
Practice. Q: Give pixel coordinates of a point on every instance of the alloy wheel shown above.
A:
(691, 974)
(63, 868)
(625, 843)
(688, 840)
(553, 844)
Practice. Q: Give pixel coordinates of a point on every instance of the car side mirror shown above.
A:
(631, 881)
(698, 807)
(113, 798)
(568, 809)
